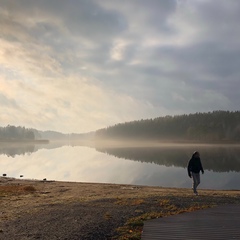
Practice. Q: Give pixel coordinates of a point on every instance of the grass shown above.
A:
(8, 190)
(107, 216)
(129, 202)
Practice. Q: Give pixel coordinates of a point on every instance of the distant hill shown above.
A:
(55, 136)
(51, 135)
(22, 134)
(223, 126)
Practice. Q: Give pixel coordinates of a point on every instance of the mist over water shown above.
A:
(151, 164)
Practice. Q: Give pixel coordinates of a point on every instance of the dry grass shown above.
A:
(132, 230)
(129, 202)
(19, 197)
(107, 216)
(7, 190)
(29, 189)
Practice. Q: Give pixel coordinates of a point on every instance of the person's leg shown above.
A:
(196, 181)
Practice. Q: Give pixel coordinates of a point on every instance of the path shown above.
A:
(215, 223)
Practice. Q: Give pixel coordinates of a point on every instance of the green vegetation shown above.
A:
(223, 126)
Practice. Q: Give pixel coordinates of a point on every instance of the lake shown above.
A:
(152, 166)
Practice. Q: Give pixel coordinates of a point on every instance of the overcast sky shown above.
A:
(81, 65)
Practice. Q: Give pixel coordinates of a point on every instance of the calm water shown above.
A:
(155, 166)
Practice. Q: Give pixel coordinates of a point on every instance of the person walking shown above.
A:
(194, 168)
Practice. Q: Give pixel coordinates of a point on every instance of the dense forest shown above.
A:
(12, 133)
(211, 126)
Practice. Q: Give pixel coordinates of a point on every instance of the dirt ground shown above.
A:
(31, 209)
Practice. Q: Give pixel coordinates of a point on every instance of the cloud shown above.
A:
(7, 103)
(82, 65)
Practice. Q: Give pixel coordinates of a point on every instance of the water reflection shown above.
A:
(11, 150)
(14, 149)
(214, 158)
(222, 158)
(154, 166)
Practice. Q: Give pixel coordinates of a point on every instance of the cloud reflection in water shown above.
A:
(84, 164)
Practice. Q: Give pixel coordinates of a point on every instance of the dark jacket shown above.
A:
(194, 165)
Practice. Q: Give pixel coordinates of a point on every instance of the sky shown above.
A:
(81, 65)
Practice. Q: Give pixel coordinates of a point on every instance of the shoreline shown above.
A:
(25, 181)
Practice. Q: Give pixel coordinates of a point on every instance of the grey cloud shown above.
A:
(144, 16)
(203, 58)
(158, 13)
(97, 24)
(208, 66)
(84, 22)
(222, 17)
(204, 67)
(8, 102)
(85, 18)
(82, 33)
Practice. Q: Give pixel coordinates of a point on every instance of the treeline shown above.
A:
(12, 133)
(211, 126)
